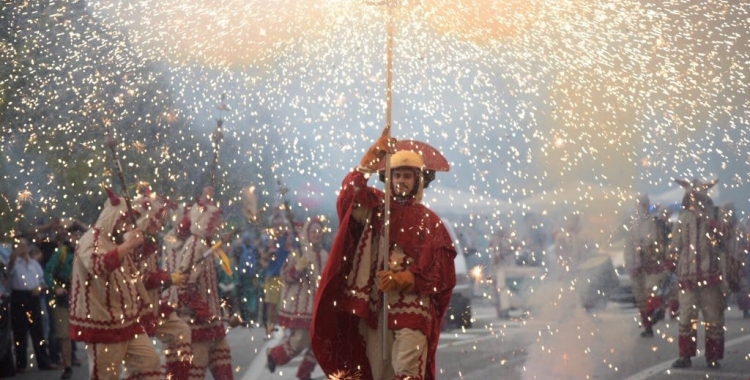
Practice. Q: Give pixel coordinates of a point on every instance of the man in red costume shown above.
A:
(347, 331)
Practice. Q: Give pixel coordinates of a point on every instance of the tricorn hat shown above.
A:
(432, 160)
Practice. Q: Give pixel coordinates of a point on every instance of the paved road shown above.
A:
(602, 346)
(571, 345)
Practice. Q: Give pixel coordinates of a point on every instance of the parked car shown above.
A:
(459, 314)
(623, 294)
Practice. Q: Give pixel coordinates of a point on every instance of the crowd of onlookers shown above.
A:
(35, 278)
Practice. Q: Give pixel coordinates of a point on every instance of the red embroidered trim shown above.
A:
(296, 323)
(691, 283)
(204, 333)
(156, 279)
(110, 260)
(103, 335)
(148, 321)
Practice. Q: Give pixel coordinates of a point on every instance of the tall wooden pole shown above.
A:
(111, 143)
(217, 136)
(387, 131)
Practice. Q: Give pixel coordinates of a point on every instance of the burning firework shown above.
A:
(24, 196)
(345, 375)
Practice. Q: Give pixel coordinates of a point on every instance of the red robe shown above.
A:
(427, 246)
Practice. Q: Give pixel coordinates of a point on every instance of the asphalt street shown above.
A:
(603, 345)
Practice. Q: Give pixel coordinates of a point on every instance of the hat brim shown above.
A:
(433, 159)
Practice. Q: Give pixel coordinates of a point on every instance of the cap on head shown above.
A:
(404, 159)
(114, 200)
(407, 158)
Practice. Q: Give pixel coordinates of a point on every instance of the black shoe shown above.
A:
(682, 363)
(49, 367)
(67, 373)
(713, 364)
(270, 363)
(657, 316)
(647, 334)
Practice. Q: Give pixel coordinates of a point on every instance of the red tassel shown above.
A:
(113, 198)
(183, 229)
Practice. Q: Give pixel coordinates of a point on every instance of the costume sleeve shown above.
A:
(435, 271)
(50, 268)
(150, 247)
(675, 248)
(155, 279)
(355, 193)
(94, 259)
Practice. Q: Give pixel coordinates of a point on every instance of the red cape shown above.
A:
(336, 342)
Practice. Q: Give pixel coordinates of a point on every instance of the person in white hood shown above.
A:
(107, 296)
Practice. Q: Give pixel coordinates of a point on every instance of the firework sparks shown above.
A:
(24, 196)
(541, 106)
(477, 273)
(345, 375)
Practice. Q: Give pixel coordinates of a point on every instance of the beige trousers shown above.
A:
(175, 335)
(406, 350)
(298, 340)
(214, 355)
(710, 302)
(138, 355)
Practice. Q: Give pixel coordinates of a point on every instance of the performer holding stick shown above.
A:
(419, 255)
(158, 319)
(300, 274)
(198, 301)
(106, 300)
(283, 243)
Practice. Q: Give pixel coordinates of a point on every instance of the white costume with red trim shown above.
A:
(158, 320)
(298, 301)
(107, 297)
(198, 301)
